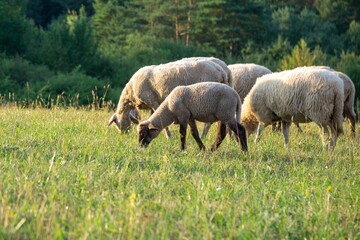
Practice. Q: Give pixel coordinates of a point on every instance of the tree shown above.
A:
(301, 55)
(70, 43)
(225, 26)
(15, 30)
(45, 11)
(352, 37)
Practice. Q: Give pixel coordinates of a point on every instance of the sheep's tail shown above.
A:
(338, 119)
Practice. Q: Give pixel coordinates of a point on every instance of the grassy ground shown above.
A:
(64, 174)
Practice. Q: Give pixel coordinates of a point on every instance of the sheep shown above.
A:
(349, 97)
(205, 102)
(221, 63)
(300, 95)
(150, 85)
(244, 76)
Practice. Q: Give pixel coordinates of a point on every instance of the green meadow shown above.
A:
(65, 175)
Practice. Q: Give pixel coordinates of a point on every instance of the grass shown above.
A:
(65, 175)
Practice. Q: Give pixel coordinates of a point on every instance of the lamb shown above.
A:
(300, 95)
(150, 85)
(243, 79)
(205, 102)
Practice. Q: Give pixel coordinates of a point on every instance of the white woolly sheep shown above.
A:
(150, 85)
(221, 63)
(205, 102)
(299, 95)
(244, 76)
(349, 97)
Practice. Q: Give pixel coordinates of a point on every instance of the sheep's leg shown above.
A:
(259, 131)
(195, 134)
(325, 135)
(286, 130)
(352, 120)
(205, 130)
(221, 133)
(183, 128)
(167, 132)
(334, 137)
(352, 117)
(240, 132)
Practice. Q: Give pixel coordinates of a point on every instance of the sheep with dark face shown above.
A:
(298, 95)
(204, 102)
(150, 85)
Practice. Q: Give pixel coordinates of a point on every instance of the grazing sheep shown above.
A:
(299, 95)
(205, 102)
(244, 76)
(219, 62)
(150, 85)
(349, 98)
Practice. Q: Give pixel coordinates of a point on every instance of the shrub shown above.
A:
(74, 88)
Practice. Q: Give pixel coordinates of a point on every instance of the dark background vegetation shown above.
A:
(81, 51)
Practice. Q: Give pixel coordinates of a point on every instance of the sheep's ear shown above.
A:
(152, 127)
(133, 117)
(114, 119)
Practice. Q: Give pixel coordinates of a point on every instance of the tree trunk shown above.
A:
(187, 41)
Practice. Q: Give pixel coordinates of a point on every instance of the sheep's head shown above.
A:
(250, 122)
(146, 133)
(123, 121)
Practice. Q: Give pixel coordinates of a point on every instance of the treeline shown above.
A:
(84, 51)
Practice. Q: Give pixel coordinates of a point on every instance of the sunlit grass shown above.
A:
(64, 174)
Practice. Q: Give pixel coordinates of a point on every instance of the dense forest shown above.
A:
(81, 51)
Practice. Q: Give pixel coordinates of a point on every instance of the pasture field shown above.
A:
(65, 175)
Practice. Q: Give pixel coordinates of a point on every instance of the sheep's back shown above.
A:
(217, 61)
(244, 76)
(168, 76)
(206, 101)
(306, 95)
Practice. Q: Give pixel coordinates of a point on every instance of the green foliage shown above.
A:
(43, 12)
(268, 56)
(301, 55)
(147, 50)
(70, 43)
(21, 77)
(109, 40)
(233, 24)
(64, 174)
(294, 24)
(15, 30)
(75, 88)
(335, 11)
(29, 82)
(352, 37)
(349, 63)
